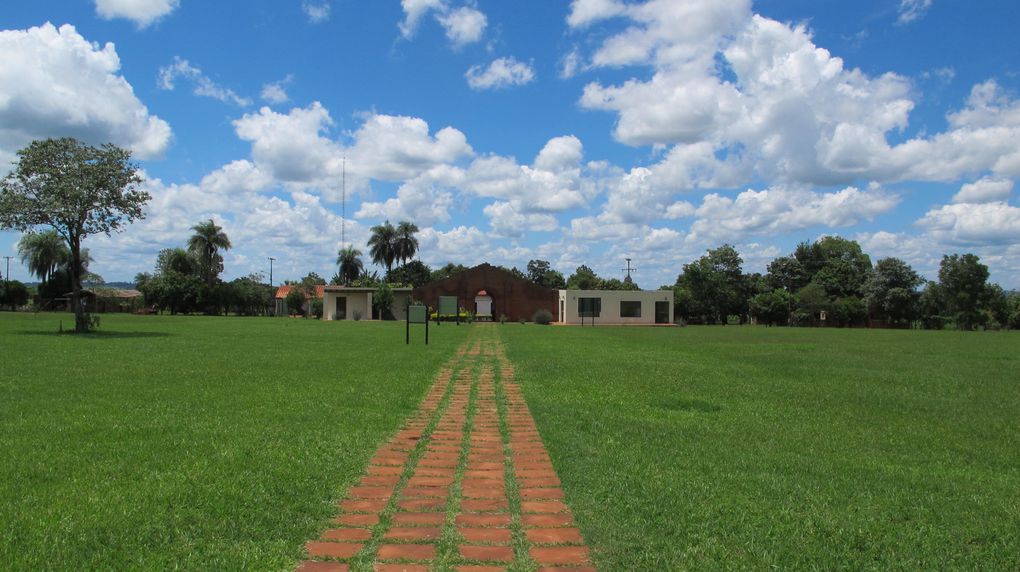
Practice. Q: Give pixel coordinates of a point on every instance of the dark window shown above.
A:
(589, 307)
(630, 309)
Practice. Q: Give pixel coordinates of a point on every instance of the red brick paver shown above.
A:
(466, 474)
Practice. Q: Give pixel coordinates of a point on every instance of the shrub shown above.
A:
(356, 315)
(316, 307)
(13, 294)
(543, 317)
(502, 318)
(295, 301)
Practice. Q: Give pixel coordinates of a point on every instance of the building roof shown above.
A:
(111, 293)
(282, 291)
(336, 288)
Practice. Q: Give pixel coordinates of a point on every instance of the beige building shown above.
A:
(355, 303)
(616, 307)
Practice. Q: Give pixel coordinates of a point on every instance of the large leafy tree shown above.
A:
(449, 270)
(772, 308)
(381, 245)
(78, 191)
(583, 278)
(892, 290)
(717, 282)
(844, 266)
(541, 273)
(351, 266)
(206, 244)
(43, 253)
(414, 274)
(787, 273)
(405, 244)
(963, 282)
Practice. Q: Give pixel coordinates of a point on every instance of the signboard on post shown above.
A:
(589, 308)
(448, 305)
(417, 314)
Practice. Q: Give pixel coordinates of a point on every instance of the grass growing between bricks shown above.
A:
(192, 442)
(732, 447)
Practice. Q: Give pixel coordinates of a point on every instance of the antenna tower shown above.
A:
(628, 270)
(343, 202)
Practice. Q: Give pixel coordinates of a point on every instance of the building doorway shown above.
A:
(341, 308)
(483, 305)
(662, 312)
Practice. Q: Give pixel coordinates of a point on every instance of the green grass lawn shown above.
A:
(191, 442)
(222, 443)
(751, 448)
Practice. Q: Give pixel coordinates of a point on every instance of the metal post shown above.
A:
(271, 259)
(7, 275)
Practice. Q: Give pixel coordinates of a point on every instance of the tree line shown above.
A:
(77, 191)
(831, 281)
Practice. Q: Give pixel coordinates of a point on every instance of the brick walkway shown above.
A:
(465, 485)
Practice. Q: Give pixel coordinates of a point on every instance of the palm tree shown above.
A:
(405, 244)
(205, 244)
(351, 267)
(380, 245)
(44, 253)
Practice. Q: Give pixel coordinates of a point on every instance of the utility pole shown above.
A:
(271, 259)
(7, 275)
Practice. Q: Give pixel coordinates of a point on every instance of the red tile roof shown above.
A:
(282, 291)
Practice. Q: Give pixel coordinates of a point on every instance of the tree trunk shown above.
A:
(81, 322)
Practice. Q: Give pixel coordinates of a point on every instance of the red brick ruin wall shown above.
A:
(512, 296)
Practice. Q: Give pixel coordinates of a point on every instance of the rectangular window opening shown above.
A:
(589, 307)
(630, 309)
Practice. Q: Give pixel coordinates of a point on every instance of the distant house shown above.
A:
(355, 303)
(106, 300)
(280, 298)
(616, 307)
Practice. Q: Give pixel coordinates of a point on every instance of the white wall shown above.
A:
(611, 299)
(356, 302)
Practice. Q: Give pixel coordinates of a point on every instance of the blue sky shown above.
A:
(581, 132)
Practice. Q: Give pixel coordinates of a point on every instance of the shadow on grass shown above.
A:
(97, 335)
(681, 404)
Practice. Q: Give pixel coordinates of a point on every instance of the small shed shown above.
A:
(355, 303)
(107, 300)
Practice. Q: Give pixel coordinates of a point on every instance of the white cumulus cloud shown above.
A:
(276, 92)
(985, 190)
(398, 148)
(502, 72)
(463, 26)
(973, 224)
(55, 83)
(414, 10)
(779, 210)
(141, 12)
(291, 146)
(585, 12)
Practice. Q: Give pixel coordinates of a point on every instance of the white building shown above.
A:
(354, 303)
(616, 307)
